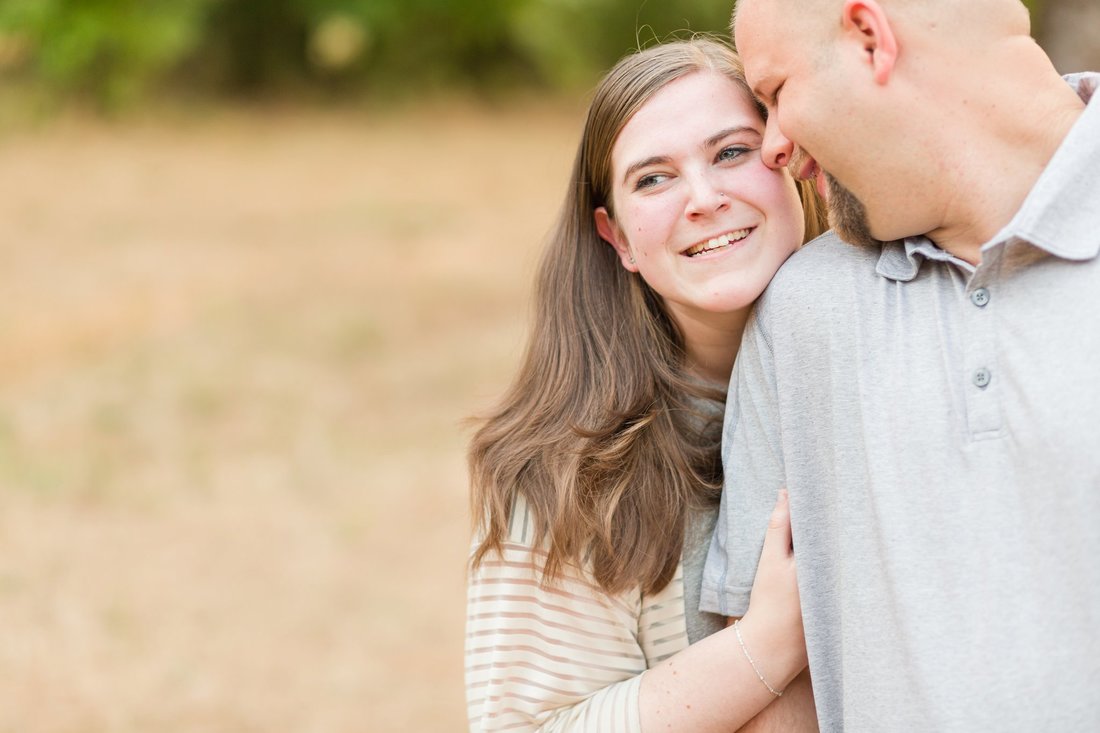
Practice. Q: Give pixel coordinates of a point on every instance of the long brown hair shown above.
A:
(604, 432)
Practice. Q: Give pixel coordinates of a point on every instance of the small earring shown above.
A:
(632, 258)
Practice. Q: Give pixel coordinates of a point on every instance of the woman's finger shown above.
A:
(777, 541)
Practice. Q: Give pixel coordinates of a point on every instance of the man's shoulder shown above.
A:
(824, 268)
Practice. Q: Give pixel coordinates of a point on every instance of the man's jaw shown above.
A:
(847, 214)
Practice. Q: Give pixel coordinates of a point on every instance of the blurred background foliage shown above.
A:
(112, 53)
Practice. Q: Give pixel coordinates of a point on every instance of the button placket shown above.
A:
(979, 315)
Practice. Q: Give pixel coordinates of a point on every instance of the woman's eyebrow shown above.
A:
(719, 137)
(652, 160)
(708, 143)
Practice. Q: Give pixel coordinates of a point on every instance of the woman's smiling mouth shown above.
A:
(719, 242)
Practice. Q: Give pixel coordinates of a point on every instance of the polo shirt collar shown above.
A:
(901, 260)
(1062, 212)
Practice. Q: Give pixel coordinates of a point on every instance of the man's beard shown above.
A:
(848, 215)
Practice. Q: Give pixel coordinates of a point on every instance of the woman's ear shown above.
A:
(611, 234)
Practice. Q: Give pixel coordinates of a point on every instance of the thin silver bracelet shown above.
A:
(748, 656)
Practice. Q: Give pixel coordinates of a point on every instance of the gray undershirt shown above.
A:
(697, 533)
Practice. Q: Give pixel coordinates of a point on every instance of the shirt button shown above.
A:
(982, 377)
(980, 297)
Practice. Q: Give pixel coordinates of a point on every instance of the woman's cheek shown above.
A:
(645, 223)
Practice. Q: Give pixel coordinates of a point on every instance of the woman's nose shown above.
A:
(706, 197)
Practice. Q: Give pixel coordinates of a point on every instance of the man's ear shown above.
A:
(865, 22)
(610, 233)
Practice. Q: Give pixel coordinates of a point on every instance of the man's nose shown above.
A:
(777, 151)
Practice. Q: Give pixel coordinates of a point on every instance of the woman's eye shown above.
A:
(733, 151)
(650, 180)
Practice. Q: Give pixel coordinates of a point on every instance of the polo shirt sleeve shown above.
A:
(752, 461)
(563, 658)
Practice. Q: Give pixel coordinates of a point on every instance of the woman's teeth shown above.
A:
(717, 242)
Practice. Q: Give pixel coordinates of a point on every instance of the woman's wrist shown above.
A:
(776, 650)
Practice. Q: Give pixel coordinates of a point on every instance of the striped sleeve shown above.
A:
(562, 658)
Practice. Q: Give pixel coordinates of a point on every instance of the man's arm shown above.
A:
(752, 459)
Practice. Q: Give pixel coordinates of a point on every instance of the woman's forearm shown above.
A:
(792, 713)
(723, 681)
(712, 686)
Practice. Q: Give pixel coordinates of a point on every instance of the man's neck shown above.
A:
(998, 170)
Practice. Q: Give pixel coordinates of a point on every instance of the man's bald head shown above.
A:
(948, 16)
(796, 14)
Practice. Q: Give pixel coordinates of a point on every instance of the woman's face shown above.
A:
(697, 213)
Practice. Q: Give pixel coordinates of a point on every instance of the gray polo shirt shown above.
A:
(938, 428)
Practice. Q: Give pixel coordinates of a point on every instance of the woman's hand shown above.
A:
(711, 686)
(772, 627)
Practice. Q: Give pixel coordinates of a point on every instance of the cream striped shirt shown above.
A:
(564, 658)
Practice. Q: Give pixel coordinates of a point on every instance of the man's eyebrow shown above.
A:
(652, 160)
(765, 98)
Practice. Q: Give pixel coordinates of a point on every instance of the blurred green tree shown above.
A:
(114, 51)
(109, 50)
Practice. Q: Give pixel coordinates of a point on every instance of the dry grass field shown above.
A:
(237, 350)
